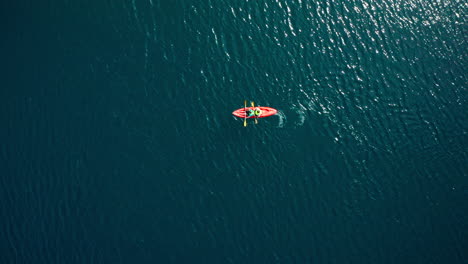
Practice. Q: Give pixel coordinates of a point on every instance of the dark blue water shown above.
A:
(118, 143)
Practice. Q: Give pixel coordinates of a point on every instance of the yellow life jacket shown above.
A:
(257, 112)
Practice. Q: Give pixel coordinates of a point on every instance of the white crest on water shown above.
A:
(281, 118)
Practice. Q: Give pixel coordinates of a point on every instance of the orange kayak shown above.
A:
(265, 111)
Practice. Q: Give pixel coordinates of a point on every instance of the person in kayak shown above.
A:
(257, 112)
(251, 112)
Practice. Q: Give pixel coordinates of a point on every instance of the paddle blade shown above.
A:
(245, 118)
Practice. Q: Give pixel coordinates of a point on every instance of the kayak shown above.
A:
(266, 111)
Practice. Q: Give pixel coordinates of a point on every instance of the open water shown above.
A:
(118, 143)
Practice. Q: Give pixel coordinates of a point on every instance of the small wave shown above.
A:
(301, 114)
(281, 119)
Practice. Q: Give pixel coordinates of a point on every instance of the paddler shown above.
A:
(254, 112)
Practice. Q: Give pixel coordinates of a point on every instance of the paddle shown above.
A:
(245, 118)
(256, 119)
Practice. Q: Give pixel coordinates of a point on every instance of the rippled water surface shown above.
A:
(119, 145)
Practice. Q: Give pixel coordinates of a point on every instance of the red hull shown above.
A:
(266, 111)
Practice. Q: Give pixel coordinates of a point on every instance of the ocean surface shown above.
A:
(118, 143)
